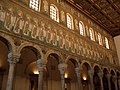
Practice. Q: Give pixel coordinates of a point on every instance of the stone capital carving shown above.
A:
(115, 77)
(91, 72)
(118, 77)
(100, 74)
(78, 71)
(108, 76)
(13, 58)
(39, 65)
(62, 67)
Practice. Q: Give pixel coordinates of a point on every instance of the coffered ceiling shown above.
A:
(105, 12)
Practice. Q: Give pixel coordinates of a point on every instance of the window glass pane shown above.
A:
(106, 43)
(91, 34)
(69, 22)
(34, 4)
(81, 28)
(99, 39)
(53, 13)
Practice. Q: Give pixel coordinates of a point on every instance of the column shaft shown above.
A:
(62, 68)
(118, 83)
(115, 82)
(109, 82)
(78, 72)
(40, 76)
(91, 72)
(101, 81)
(10, 76)
(40, 81)
(12, 59)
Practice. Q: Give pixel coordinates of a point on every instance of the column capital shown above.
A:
(62, 67)
(13, 58)
(39, 65)
(78, 71)
(100, 74)
(118, 77)
(108, 76)
(115, 77)
(91, 72)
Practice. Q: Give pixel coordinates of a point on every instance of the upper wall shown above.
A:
(117, 44)
(37, 26)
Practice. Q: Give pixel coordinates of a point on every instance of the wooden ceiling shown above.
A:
(105, 12)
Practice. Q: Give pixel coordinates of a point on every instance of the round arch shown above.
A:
(106, 70)
(112, 71)
(98, 66)
(87, 64)
(30, 45)
(53, 52)
(73, 59)
(10, 42)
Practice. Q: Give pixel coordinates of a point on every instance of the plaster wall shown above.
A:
(117, 44)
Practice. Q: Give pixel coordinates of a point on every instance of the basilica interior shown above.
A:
(59, 45)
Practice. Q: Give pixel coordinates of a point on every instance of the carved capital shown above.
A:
(13, 58)
(115, 78)
(108, 76)
(39, 65)
(78, 71)
(91, 72)
(62, 67)
(100, 74)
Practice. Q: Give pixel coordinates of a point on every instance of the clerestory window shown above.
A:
(34, 4)
(81, 28)
(106, 43)
(91, 34)
(69, 21)
(99, 39)
(53, 13)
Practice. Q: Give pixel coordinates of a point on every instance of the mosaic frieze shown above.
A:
(44, 31)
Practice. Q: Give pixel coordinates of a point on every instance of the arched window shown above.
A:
(106, 43)
(69, 21)
(54, 13)
(34, 4)
(91, 34)
(99, 39)
(81, 28)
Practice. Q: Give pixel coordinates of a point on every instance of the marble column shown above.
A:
(109, 82)
(91, 73)
(62, 67)
(100, 74)
(78, 73)
(40, 75)
(115, 82)
(12, 59)
(1, 78)
(118, 82)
